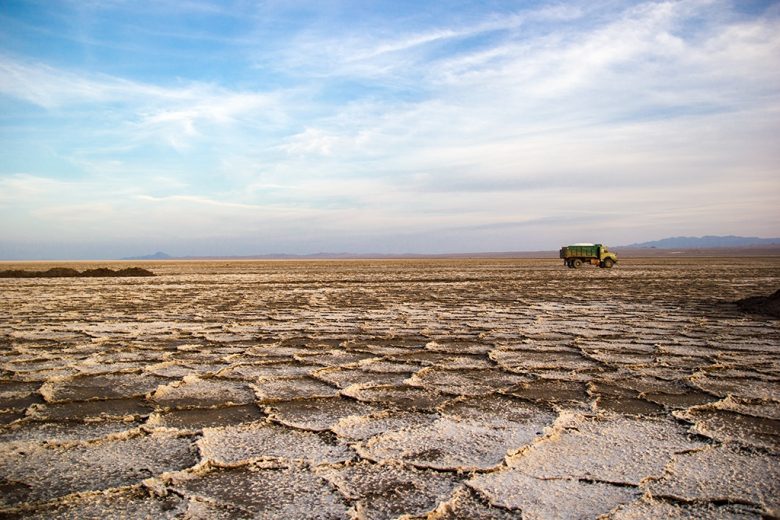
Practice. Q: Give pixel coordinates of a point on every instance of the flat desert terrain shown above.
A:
(434, 389)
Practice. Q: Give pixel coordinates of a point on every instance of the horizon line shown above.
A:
(629, 252)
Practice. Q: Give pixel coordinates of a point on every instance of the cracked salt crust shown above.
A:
(102, 409)
(179, 370)
(193, 420)
(265, 492)
(490, 366)
(317, 414)
(251, 372)
(540, 499)
(726, 425)
(720, 474)
(195, 391)
(262, 440)
(465, 503)
(346, 377)
(114, 504)
(608, 448)
(60, 432)
(355, 428)
(389, 491)
(282, 389)
(465, 381)
(106, 386)
(650, 509)
(39, 472)
(752, 388)
(448, 444)
(403, 396)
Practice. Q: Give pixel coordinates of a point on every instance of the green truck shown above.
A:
(596, 254)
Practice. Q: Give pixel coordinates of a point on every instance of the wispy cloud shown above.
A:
(50, 87)
(200, 200)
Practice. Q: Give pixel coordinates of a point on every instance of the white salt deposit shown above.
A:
(541, 499)
(389, 491)
(265, 492)
(650, 509)
(39, 472)
(114, 504)
(317, 414)
(450, 445)
(466, 381)
(195, 391)
(719, 474)
(608, 449)
(355, 428)
(263, 440)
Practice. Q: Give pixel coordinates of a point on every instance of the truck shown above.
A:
(596, 254)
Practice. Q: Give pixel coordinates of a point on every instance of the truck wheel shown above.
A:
(608, 263)
(576, 263)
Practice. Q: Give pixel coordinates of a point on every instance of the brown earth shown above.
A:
(769, 305)
(68, 272)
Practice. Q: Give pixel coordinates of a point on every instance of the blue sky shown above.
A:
(235, 128)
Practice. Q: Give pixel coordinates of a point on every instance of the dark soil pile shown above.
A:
(769, 305)
(66, 272)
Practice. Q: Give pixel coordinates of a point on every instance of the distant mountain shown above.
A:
(706, 242)
(159, 255)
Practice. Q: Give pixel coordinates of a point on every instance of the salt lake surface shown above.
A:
(434, 389)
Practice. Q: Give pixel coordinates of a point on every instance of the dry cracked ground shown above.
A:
(392, 389)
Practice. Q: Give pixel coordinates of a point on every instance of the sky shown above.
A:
(289, 126)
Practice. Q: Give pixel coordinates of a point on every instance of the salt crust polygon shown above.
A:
(449, 444)
(541, 499)
(361, 428)
(466, 504)
(60, 432)
(610, 448)
(265, 492)
(196, 391)
(282, 389)
(724, 474)
(107, 386)
(653, 509)
(317, 414)
(114, 504)
(45, 472)
(465, 382)
(264, 440)
(386, 491)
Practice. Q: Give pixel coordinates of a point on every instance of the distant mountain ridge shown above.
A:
(709, 241)
(159, 255)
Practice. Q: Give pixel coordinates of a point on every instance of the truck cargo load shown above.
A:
(576, 255)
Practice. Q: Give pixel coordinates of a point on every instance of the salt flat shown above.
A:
(376, 389)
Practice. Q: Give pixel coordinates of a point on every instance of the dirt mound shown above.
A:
(769, 305)
(134, 271)
(66, 272)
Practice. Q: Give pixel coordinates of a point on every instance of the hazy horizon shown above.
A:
(236, 128)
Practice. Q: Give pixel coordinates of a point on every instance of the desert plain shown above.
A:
(438, 389)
